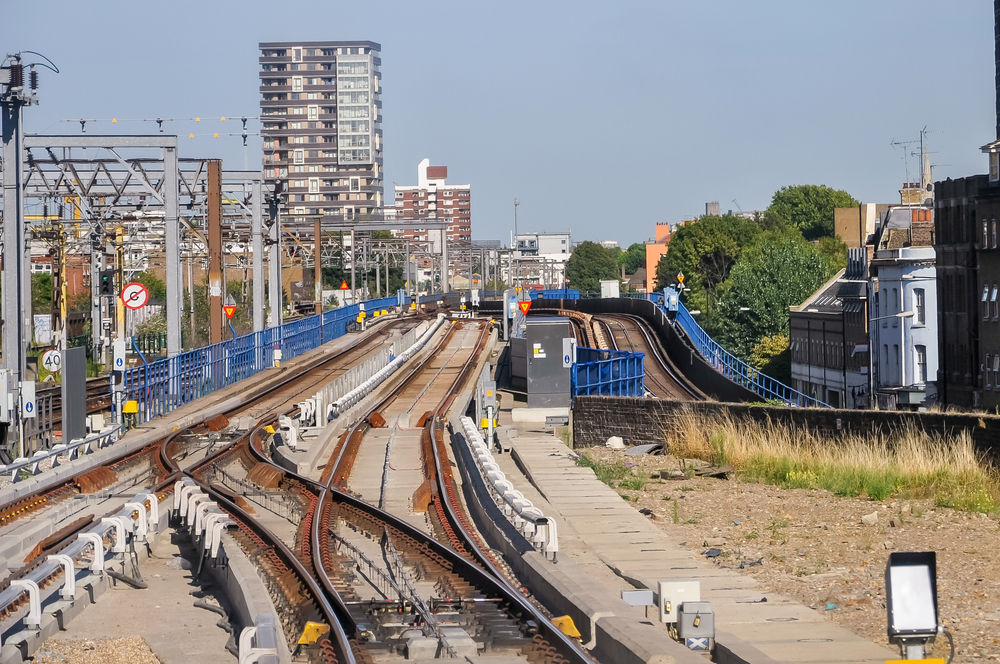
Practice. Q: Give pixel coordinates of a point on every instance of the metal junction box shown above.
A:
(696, 625)
(547, 376)
(671, 594)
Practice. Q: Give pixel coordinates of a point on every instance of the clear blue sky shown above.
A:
(601, 117)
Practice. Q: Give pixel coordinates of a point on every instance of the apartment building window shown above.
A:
(993, 302)
(313, 112)
(985, 236)
(919, 308)
(895, 355)
(355, 184)
(296, 55)
(296, 84)
(298, 156)
(986, 302)
(921, 353)
(994, 233)
(313, 185)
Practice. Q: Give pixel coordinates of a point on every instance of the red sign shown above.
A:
(230, 310)
(525, 305)
(344, 286)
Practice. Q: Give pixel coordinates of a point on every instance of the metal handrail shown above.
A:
(107, 436)
(736, 369)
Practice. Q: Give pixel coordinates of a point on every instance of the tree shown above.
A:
(834, 251)
(778, 272)
(41, 292)
(773, 356)
(156, 287)
(589, 264)
(633, 258)
(705, 251)
(810, 207)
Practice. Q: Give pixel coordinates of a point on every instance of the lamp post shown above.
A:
(871, 356)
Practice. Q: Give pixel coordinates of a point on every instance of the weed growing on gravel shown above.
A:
(615, 474)
(909, 462)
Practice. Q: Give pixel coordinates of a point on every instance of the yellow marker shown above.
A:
(131, 407)
(216, 134)
(197, 119)
(566, 625)
(223, 118)
(269, 429)
(312, 632)
(190, 135)
(114, 120)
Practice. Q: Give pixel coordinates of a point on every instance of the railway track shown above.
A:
(434, 595)
(161, 463)
(663, 379)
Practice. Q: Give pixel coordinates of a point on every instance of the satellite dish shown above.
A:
(930, 187)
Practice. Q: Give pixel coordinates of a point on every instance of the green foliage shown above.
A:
(496, 285)
(773, 356)
(589, 264)
(705, 251)
(154, 325)
(780, 271)
(834, 251)
(633, 258)
(41, 292)
(614, 473)
(810, 208)
(156, 287)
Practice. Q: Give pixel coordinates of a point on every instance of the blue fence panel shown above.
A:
(555, 294)
(159, 387)
(737, 370)
(607, 373)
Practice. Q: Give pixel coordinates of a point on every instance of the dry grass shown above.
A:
(908, 463)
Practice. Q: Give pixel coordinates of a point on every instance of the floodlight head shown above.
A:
(911, 597)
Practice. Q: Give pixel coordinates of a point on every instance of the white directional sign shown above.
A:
(28, 399)
(52, 361)
(119, 355)
(135, 295)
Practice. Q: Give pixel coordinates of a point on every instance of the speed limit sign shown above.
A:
(52, 361)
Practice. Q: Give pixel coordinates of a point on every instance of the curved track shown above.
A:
(663, 379)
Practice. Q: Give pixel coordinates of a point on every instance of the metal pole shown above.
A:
(274, 272)
(444, 260)
(317, 268)
(215, 250)
(13, 270)
(96, 265)
(257, 236)
(175, 284)
(354, 255)
(190, 271)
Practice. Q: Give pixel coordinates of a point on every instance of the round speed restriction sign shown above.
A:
(52, 361)
(135, 295)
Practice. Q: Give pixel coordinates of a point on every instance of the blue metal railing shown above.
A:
(609, 373)
(555, 294)
(737, 370)
(162, 386)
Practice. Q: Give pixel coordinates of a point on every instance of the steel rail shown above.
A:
(657, 352)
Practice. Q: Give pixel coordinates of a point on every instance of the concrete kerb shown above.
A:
(245, 591)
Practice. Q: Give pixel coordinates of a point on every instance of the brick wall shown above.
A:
(640, 421)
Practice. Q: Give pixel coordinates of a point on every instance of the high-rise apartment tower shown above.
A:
(322, 126)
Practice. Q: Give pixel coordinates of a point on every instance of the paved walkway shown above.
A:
(612, 543)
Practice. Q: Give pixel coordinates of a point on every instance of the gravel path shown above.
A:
(814, 547)
(131, 649)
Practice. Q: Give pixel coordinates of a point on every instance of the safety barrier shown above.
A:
(71, 450)
(736, 369)
(607, 373)
(522, 514)
(160, 387)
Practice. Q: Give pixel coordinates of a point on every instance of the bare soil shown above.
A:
(814, 547)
